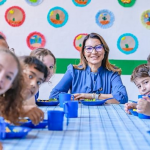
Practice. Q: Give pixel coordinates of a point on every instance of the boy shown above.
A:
(141, 78)
(34, 74)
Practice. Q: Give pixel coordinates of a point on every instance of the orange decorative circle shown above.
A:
(15, 16)
(78, 40)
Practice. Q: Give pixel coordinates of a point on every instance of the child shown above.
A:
(11, 84)
(34, 73)
(49, 60)
(141, 78)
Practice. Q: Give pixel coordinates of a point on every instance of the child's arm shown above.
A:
(34, 113)
(128, 106)
(143, 105)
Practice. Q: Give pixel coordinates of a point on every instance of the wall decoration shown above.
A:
(2, 34)
(78, 41)
(127, 43)
(104, 18)
(126, 3)
(2, 2)
(81, 3)
(145, 18)
(15, 16)
(35, 40)
(57, 17)
(34, 2)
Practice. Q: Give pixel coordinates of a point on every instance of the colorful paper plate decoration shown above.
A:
(81, 3)
(57, 17)
(34, 2)
(2, 2)
(15, 16)
(145, 19)
(2, 34)
(127, 43)
(104, 18)
(78, 41)
(35, 40)
(126, 3)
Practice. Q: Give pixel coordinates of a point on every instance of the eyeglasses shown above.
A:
(89, 49)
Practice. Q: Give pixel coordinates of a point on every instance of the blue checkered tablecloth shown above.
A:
(105, 127)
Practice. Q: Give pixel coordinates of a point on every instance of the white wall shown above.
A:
(81, 20)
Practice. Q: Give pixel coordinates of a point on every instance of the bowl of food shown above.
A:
(49, 102)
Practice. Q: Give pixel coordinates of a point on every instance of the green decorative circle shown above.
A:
(145, 19)
(126, 4)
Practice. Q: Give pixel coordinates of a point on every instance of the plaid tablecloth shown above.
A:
(105, 127)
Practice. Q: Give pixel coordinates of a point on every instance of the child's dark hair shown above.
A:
(2, 38)
(40, 53)
(140, 72)
(11, 104)
(30, 60)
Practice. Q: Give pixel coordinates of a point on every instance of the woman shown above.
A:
(94, 77)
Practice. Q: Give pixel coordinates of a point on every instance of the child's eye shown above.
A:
(51, 67)
(39, 83)
(30, 76)
(8, 77)
(138, 87)
(146, 82)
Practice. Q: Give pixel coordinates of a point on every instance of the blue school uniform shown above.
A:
(85, 81)
(36, 96)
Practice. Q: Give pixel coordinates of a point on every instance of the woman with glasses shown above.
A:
(94, 77)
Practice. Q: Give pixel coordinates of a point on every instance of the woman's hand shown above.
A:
(80, 96)
(143, 105)
(128, 106)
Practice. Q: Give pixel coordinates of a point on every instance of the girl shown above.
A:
(11, 85)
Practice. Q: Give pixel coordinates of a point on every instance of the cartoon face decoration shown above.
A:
(127, 43)
(81, 3)
(78, 40)
(145, 19)
(126, 3)
(15, 16)
(104, 18)
(57, 17)
(35, 40)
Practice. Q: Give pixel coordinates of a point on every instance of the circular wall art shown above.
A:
(57, 17)
(34, 2)
(78, 41)
(15, 16)
(81, 3)
(104, 18)
(2, 2)
(127, 43)
(145, 19)
(126, 3)
(2, 34)
(35, 40)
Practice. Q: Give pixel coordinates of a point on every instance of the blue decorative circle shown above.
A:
(80, 5)
(121, 49)
(34, 2)
(57, 25)
(2, 2)
(104, 13)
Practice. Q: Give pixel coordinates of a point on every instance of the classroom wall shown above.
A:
(80, 20)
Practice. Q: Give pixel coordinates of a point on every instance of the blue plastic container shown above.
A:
(133, 112)
(142, 116)
(55, 120)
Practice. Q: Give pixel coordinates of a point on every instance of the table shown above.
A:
(105, 127)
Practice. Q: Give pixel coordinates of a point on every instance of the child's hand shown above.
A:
(143, 105)
(35, 114)
(128, 106)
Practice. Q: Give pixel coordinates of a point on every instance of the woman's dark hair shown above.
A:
(140, 72)
(11, 104)
(105, 62)
(30, 60)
